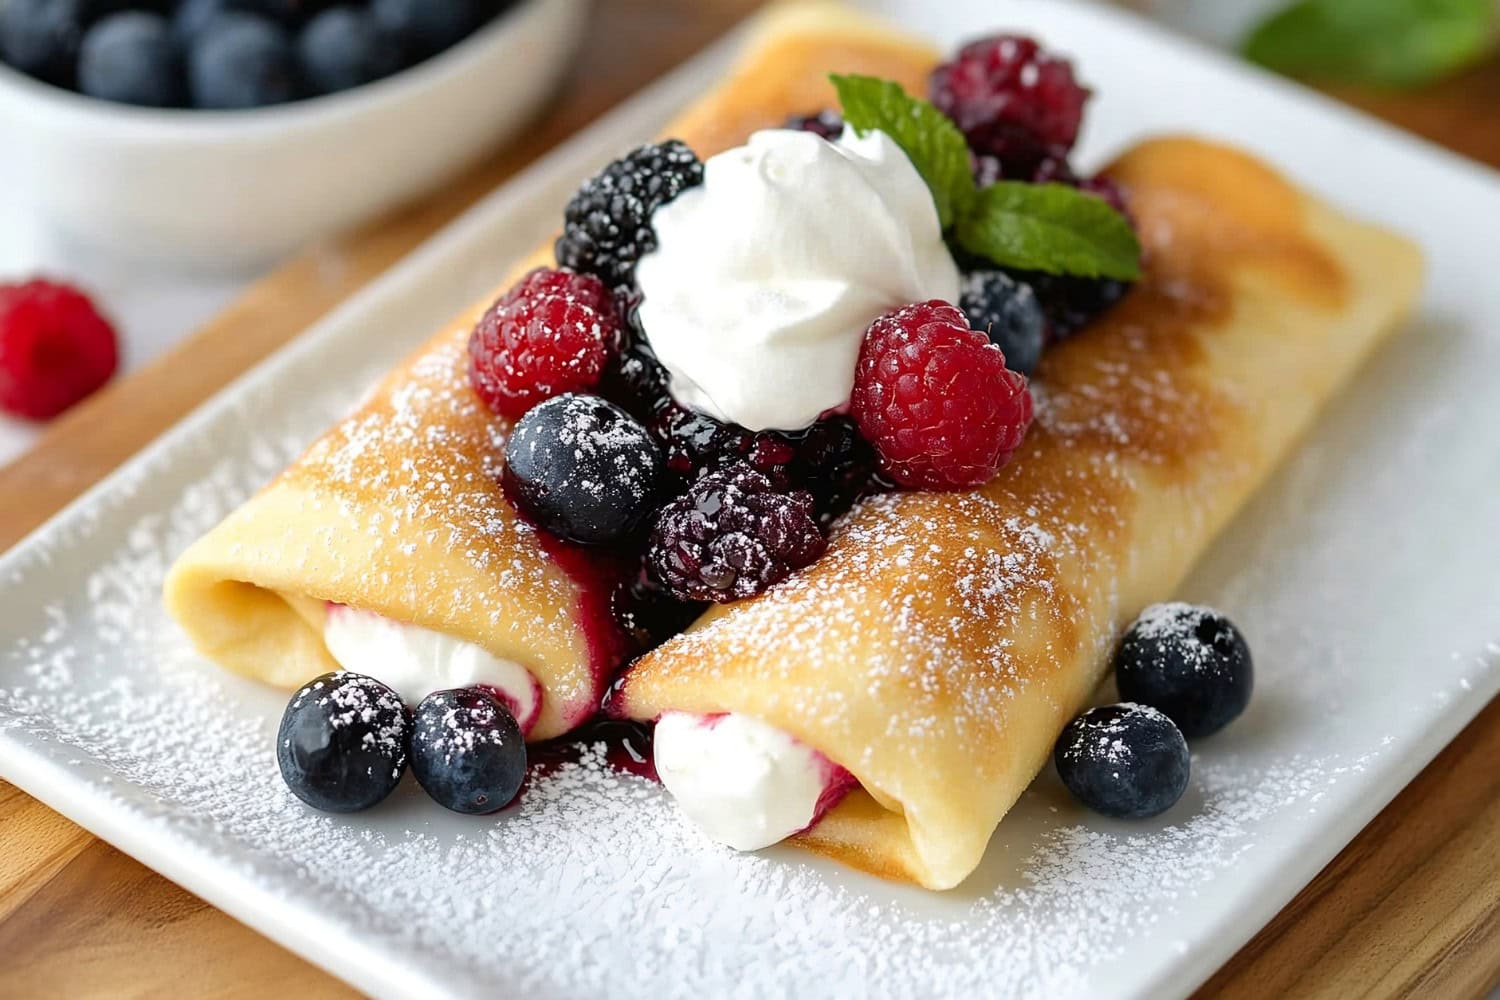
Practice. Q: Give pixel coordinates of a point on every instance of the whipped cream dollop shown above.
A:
(416, 661)
(766, 276)
(746, 783)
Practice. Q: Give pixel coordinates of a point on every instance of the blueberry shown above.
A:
(343, 742)
(585, 469)
(1127, 761)
(1010, 313)
(467, 751)
(194, 16)
(427, 27)
(242, 61)
(343, 47)
(1189, 662)
(41, 38)
(132, 58)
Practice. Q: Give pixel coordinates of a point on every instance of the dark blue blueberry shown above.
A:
(193, 16)
(342, 48)
(467, 751)
(1009, 312)
(427, 27)
(132, 58)
(1189, 662)
(1127, 761)
(585, 469)
(242, 61)
(343, 742)
(41, 38)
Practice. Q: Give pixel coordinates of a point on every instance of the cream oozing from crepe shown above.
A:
(745, 783)
(767, 275)
(416, 661)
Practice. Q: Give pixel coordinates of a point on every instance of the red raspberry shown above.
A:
(55, 348)
(936, 400)
(1011, 98)
(550, 334)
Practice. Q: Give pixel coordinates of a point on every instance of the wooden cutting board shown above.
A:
(1410, 908)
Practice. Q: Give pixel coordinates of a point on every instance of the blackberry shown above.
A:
(584, 468)
(836, 465)
(696, 444)
(607, 225)
(648, 613)
(732, 535)
(825, 123)
(1008, 312)
(1071, 302)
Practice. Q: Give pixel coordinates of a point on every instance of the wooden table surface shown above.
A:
(1410, 908)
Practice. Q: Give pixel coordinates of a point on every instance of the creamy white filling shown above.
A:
(766, 276)
(746, 783)
(417, 661)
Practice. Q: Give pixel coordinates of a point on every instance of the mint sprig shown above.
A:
(1050, 227)
(1035, 227)
(1396, 43)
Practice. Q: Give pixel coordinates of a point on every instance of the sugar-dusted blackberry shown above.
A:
(1009, 313)
(825, 123)
(732, 535)
(607, 225)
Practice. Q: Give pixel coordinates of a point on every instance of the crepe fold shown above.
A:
(943, 642)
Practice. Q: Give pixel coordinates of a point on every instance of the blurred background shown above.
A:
(161, 156)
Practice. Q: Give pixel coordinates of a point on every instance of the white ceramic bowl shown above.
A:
(222, 190)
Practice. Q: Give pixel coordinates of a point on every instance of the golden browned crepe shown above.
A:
(940, 646)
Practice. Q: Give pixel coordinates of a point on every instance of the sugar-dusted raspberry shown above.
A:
(825, 123)
(732, 535)
(607, 225)
(1011, 98)
(550, 334)
(936, 400)
(55, 348)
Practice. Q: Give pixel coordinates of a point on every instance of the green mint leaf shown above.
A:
(929, 139)
(1398, 43)
(1052, 228)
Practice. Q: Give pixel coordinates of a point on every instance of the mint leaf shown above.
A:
(929, 139)
(1399, 43)
(1052, 228)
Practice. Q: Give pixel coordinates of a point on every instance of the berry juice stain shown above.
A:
(627, 749)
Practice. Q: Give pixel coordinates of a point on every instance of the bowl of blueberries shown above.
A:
(222, 134)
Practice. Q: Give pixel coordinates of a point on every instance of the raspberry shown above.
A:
(607, 225)
(55, 349)
(828, 124)
(732, 536)
(936, 400)
(1008, 312)
(1011, 99)
(550, 334)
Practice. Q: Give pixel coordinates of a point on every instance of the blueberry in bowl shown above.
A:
(224, 134)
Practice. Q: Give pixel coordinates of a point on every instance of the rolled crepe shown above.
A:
(939, 647)
(397, 510)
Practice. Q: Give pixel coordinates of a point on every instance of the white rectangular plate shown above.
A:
(1365, 575)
